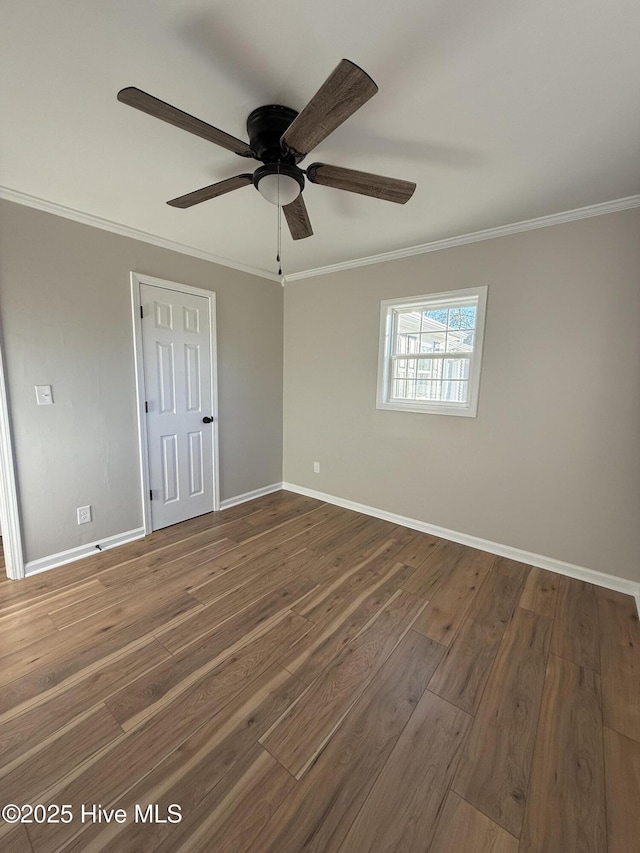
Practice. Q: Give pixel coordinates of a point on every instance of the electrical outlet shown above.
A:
(44, 395)
(316, 467)
(84, 514)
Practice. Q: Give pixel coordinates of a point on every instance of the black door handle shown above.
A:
(207, 420)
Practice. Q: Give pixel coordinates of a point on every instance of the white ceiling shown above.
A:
(500, 111)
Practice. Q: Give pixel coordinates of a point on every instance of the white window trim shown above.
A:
(388, 306)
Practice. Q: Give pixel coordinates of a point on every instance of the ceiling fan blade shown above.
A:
(376, 186)
(346, 89)
(212, 191)
(159, 109)
(298, 219)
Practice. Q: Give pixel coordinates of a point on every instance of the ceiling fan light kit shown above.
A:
(281, 138)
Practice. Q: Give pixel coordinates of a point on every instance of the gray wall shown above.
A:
(551, 464)
(66, 321)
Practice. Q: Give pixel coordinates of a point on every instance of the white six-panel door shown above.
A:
(176, 343)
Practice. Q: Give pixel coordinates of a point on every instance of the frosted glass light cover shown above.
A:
(289, 189)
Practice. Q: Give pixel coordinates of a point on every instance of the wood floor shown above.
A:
(298, 677)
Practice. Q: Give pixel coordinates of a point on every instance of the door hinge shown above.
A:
(150, 494)
(146, 406)
(141, 313)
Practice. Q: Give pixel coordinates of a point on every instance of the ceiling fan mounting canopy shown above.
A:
(280, 138)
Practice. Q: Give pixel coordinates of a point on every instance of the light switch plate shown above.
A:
(44, 395)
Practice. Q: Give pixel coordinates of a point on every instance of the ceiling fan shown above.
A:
(280, 138)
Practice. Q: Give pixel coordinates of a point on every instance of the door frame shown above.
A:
(143, 442)
(9, 504)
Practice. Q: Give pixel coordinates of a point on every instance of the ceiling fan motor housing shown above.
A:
(265, 127)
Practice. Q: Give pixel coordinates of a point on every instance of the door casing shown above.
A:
(143, 447)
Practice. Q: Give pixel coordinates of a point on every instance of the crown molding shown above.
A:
(448, 243)
(125, 231)
(475, 237)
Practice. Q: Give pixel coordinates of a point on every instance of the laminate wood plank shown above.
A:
(176, 577)
(325, 641)
(129, 612)
(566, 801)
(403, 806)
(34, 588)
(285, 512)
(316, 817)
(463, 673)
(334, 543)
(17, 595)
(622, 775)
(418, 548)
(16, 840)
(105, 775)
(462, 828)
(437, 566)
(71, 664)
(330, 528)
(194, 550)
(190, 772)
(340, 561)
(248, 583)
(451, 600)
(245, 603)
(24, 780)
(158, 687)
(45, 603)
(620, 650)
(48, 713)
(165, 570)
(230, 818)
(302, 733)
(540, 592)
(22, 629)
(575, 630)
(292, 530)
(46, 663)
(139, 698)
(332, 596)
(494, 771)
(261, 546)
(291, 507)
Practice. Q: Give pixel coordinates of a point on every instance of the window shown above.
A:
(430, 352)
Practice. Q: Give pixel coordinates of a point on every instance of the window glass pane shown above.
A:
(463, 317)
(460, 341)
(438, 315)
(455, 392)
(432, 341)
(456, 368)
(430, 390)
(399, 367)
(430, 368)
(408, 323)
(404, 389)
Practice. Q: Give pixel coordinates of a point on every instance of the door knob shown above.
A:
(207, 420)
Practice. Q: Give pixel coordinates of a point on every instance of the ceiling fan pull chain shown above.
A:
(278, 256)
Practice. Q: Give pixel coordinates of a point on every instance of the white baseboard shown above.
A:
(579, 572)
(43, 564)
(249, 496)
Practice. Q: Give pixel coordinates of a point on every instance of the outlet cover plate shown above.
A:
(84, 514)
(44, 395)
